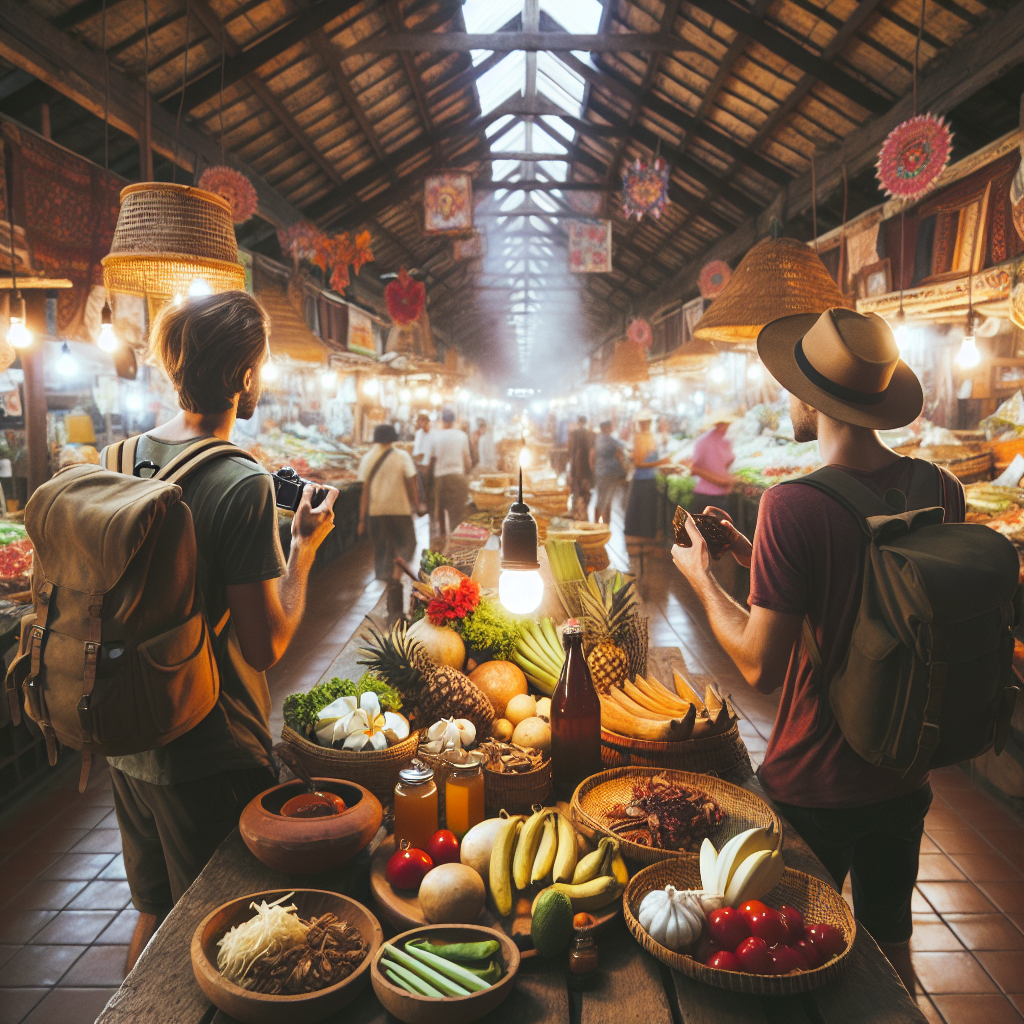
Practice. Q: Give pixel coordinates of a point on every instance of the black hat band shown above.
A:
(830, 387)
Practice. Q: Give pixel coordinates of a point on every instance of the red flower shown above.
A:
(454, 602)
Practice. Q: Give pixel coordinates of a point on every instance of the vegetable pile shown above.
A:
(435, 971)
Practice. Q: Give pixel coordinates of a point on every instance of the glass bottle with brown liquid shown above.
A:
(575, 719)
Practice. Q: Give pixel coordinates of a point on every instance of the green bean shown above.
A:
(448, 968)
(460, 950)
(447, 986)
(410, 982)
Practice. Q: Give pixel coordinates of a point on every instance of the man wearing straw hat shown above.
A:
(846, 382)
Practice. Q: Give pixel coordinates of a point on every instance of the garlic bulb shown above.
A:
(672, 917)
(443, 735)
(467, 732)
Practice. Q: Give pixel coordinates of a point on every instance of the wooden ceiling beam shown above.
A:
(507, 42)
(83, 12)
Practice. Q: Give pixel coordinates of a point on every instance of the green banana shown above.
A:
(500, 871)
(590, 866)
(526, 848)
(531, 668)
(536, 647)
(565, 859)
(545, 859)
(598, 892)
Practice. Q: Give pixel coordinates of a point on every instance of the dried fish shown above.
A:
(666, 815)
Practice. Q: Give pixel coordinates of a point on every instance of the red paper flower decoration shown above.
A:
(639, 332)
(235, 187)
(644, 188)
(913, 156)
(362, 253)
(405, 298)
(454, 602)
(714, 276)
(305, 243)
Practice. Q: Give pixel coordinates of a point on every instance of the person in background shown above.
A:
(487, 453)
(609, 471)
(421, 458)
(450, 463)
(581, 467)
(712, 457)
(642, 507)
(386, 505)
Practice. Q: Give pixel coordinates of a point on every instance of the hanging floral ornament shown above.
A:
(714, 276)
(405, 298)
(913, 156)
(233, 186)
(305, 243)
(644, 188)
(639, 332)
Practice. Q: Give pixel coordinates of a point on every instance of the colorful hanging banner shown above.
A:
(405, 298)
(913, 156)
(360, 332)
(448, 202)
(644, 188)
(639, 332)
(590, 246)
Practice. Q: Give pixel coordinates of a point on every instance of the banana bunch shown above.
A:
(534, 849)
(748, 867)
(539, 654)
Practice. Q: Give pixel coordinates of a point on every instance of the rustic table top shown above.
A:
(630, 986)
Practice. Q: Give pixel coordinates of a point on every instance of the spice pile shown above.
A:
(666, 815)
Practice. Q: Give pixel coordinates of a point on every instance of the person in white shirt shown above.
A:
(386, 505)
(421, 457)
(486, 452)
(451, 462)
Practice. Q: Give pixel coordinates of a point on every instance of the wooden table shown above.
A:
(631, 987)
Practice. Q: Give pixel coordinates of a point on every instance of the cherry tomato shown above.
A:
(794, 923)
(827, 938)
(705, 949)
(723, 960)
(786, 959)
(727, 927)
(443, 847)
(752, 907)
(753, 956)
(810, 952)
(407, 866)
(769, 925)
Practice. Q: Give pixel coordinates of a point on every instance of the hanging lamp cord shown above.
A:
(184, 79)
(106, 89)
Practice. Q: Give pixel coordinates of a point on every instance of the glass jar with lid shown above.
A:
(464, 791)
(415, 805)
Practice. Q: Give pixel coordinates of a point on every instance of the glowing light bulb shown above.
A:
(329, 378)
(177, 299)
(133, 401)
(616, 398)
(67, 365)
(494, 403)
(404, 395)
(520, 591)
(199, 287)
(968, 355)
(108, 339)
(270, 371)
(717, 374)
(754, 372)
(525, 458)
(436, 398)
(18, 334)
(371, 387)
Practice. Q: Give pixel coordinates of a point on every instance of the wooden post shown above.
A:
(146, 140)
(35, 390)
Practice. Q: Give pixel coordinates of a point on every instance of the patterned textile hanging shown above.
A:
(448, 202)
(233, 186)
(714, 276)
(590, 246)
(913, 156)
(644, 188)
(405, 298)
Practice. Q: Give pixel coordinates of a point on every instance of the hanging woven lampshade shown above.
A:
(778, 277)
(628, 364)
(169, 236)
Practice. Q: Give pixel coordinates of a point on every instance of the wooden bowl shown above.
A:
(416, 1009)
(302, 846)
(256, 1008)
(815, 899)
(596, 795)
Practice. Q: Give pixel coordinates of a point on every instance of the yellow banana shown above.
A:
(526, 848)
(565, 858)
(609, 852)
(590, 866)
(736, 851)
(545, 859)
(598, 892)
(686, 692)
(619, 871)
(500, 872)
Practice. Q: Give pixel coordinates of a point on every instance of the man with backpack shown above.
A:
(838, 557)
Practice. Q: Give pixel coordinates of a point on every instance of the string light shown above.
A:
(436, 398)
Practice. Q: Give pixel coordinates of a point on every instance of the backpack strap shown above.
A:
(120, 457)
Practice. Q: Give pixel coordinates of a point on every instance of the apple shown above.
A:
(443, 847)
(769, 925)
(811, 953)
(723, 960)
(754, 956)
(827, 938)
(727, 927)
(786, 959)
(794, 923)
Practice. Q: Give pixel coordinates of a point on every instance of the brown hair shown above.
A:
(206, 344)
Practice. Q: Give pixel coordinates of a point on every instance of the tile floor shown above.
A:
(66, 919)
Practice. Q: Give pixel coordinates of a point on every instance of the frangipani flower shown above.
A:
(352, 725)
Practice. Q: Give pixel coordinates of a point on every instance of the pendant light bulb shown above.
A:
(520, 585)
(108, 339)
(968, 355)
(67, 365)
(18, 333)
(199, 287)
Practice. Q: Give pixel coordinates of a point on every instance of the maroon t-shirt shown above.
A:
(809, 558)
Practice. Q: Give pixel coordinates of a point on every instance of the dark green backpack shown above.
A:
(927, 680)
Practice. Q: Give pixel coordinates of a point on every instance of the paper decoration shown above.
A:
(590, 246)
(644, 188)
(639, 332)
(587, 203)
(405, 298)
(360, 332)
(471, 248)
(307, 244)
(913, 156)
(714, 276)
(233, 186)
(448, 202)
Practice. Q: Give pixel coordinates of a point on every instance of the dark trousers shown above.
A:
(878, 846)
(168, 833)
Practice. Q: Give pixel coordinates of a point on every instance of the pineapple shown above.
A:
(434, 691)
(607, 616)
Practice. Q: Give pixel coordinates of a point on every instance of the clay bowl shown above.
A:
(302, 846)
(256, 1008)
(416, 1009)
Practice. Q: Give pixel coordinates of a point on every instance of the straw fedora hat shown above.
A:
(843, 364)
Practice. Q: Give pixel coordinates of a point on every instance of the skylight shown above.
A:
(581, 17)
(484, 16)
(503, 80)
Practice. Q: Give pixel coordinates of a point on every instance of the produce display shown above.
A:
(311, 452)
(436, 970)
(15, 558)
(666, 815)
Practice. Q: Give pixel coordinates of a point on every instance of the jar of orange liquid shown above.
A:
(464, 791)
(415, 805)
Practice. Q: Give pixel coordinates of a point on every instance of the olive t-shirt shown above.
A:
(235, 519)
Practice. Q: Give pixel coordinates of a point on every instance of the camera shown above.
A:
(288, 486)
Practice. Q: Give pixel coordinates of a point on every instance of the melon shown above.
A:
(551, 927)
(452, 894)
(442, 644)
(475, 848)
(501, 681)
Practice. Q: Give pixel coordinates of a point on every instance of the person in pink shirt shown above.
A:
(712, 457)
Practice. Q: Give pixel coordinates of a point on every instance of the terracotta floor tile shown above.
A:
(98, 967)
(924, 1004)
(20, 926)
(987, 815)
(1007, 896)
(73, 1006)
(960, 840)
(73, 926)
(47, 895)
(1018, 1000)
(1005, 966)
(937, 867)
(940, 817)
(119, 931)
(18, 1002)
(110, 821)
(986, 931)
(1008, 843)
(6, 952)
(79, 865)
(943, 779)
(82, 816)
(986, 867)
(927, 846)
(956, 897)
(919, 905)
(928, 938)
(100, 840)
(114, 871)
(35, 966)
(951, 972)
(56, 839)
(976, 1009)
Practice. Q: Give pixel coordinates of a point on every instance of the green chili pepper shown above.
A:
(460, 950)
(491, 973)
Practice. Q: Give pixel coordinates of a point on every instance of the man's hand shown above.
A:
(310, 526)
(739, 546)
(693, 562)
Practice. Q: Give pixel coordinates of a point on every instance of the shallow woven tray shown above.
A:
(593, 796)
(724, 754)
(817, 901)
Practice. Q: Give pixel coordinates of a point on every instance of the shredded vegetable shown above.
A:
(272, 930)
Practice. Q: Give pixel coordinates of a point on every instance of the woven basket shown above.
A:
(777, 277)
(488, 500)
(516, 792)
(724, 754)
(594, 796)
(377, 770)
(817, 901)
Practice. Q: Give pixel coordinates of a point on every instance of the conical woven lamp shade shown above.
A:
(778, 277)
(166, 237)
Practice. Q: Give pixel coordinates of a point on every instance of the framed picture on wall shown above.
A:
(873, 280)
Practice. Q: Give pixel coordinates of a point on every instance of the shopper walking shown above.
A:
(846, 380)
(386, 505)
(486, 451)
(421, 457)
(712, 457)
(642, 507)
(581, 468)
(609, 471)
(450, 463)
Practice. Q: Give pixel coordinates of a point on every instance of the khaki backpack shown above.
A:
(927, 680)
(117, 655)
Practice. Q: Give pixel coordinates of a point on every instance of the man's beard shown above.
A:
(248, 400)
(805, 421)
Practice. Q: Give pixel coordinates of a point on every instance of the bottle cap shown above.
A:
(572, 628)
(416, 773)
(463, 759)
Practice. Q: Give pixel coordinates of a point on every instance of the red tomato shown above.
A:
(406, 868)
(705, 949)
(727, 927)
(752, 907)
(753, 956)
(443, 847)
(810, 952)
(827, 938)
(786, 959)
(769, 925)
(723, 961)
(794, 923)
